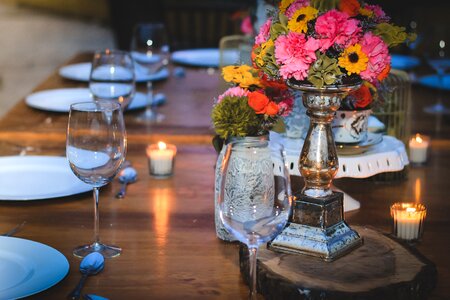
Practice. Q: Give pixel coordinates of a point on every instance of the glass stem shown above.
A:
(149, 96)
(96, 217)
(252, 254)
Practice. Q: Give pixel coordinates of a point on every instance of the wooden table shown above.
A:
(166, 227)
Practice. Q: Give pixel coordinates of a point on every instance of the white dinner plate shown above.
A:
(204, 57)
(59, 100)
(82, 71)
(434, 82)
(28, 267)
(37, 177)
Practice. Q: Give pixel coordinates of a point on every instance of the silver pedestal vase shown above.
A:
(317, 225)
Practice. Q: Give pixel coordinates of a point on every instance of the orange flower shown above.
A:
(363, 96)
(351, 7)
(272, 109)
(258, 101)
(384, 73)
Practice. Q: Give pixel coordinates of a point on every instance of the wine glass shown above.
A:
(112, 76)
(254, 200)
(438, 58)
(95, 147)
(150, 51)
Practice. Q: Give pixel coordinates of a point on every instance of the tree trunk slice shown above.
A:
(382, 268)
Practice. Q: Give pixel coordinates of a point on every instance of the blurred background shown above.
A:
(37, 36)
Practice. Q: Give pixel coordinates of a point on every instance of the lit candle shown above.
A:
(418, 147)
(408, 220)
(161, 158)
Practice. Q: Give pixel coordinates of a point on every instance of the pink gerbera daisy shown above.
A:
(335, 27)
(378, 14)
(295, 53)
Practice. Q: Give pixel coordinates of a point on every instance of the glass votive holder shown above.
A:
(418, 149)
(161, 159)
(408, 220)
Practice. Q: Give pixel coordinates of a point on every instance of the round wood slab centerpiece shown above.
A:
(380, 269)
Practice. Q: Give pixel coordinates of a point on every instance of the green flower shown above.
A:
(234, 117)
(393, 35)
(324, 71)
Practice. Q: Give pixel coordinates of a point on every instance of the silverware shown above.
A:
(126, 176)
(15, 229)
(92, 264)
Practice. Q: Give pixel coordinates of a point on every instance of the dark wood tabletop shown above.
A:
(166, 227)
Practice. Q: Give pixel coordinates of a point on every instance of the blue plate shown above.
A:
(433, 81)
(404, 62)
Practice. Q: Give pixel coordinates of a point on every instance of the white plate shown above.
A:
(59, 100)
(82, 71)
(38, 177)
(28, 267)
(204, 57)
(361, 147)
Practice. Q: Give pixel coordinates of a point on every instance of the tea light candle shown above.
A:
(161, 159)
(408, 220)
(418, 147)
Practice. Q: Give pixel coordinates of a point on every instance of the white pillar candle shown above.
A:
(408, 220)
(161, 158)
(418, 148)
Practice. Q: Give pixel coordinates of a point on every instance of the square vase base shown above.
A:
(328, 244)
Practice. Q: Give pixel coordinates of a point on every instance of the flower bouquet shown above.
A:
(252, 106)
(327, 42)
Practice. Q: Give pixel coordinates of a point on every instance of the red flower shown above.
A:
(363, 97)
(272, 108)
(351, 7)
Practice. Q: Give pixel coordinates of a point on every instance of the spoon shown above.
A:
(126, 176)
(92, 264)
(14, 230)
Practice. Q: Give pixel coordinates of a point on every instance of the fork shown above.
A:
(14, 230)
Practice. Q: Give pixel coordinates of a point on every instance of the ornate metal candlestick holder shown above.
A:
(317, 225)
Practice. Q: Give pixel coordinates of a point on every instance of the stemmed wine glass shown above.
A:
(254, 199)
(95, 147)
(150, 50)
(112, 76)
(439, 60)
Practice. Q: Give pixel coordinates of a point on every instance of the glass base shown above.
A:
(150, 116)
(105, 250)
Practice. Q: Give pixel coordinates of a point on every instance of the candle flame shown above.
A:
(419, 138)
(410, 209)
(162, 146)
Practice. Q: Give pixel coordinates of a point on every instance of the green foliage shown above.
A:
(324, 71)
(324, 5)
(234, 117)
(393, 35)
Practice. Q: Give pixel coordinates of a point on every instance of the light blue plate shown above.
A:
(404, 62)
(433, 82)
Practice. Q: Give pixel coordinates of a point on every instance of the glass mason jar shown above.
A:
(259, 165)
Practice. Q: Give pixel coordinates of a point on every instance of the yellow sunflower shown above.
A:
(244, 75)
(284, 4)
(299, 20)
(264, 49)
(353, 59)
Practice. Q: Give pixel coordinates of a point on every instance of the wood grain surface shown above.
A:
(166, 227)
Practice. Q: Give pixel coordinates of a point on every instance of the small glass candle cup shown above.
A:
(408, 220)
(418, 149)
(161, 159)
